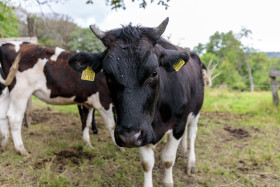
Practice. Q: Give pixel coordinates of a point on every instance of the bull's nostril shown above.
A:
(132, 138)
(136, 136)
(122, 137)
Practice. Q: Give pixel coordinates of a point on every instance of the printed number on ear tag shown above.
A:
(178, 65)
(88, 74)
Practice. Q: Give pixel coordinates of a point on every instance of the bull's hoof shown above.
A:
(3, 146)
(167, 184)
(121, 149)
(182, 154)
(3, 149)
(88, 144)
(23, 152)
(191, 170)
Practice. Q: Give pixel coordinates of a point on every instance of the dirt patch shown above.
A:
(217, 114)
(62, 158)
(74, 155)
(49, 116)
(238, 133)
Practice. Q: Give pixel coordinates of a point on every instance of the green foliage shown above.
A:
(207, 57)
(233, 58)
(8, 20)
(116, 4)
(51, 29)
(85, 40)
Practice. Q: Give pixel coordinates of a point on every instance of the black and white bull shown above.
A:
(44, 72)
(151, 99)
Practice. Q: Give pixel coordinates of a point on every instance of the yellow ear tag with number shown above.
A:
(178, 65)
(88, 74)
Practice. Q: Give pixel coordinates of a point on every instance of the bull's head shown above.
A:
(133, 64)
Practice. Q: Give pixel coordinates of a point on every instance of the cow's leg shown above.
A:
(27, 115)
(4, 128)
(93, 124)
(148, 161)
(86, 136)
(192, 137)
(168, 157)
(107, 116)
(15, 115)
(184, 143)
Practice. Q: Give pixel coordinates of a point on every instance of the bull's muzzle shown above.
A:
(129, 138)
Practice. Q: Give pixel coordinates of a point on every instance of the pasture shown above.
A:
(238, 144)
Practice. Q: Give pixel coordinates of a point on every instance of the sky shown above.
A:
(190, 21)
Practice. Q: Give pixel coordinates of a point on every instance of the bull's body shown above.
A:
(150, 98)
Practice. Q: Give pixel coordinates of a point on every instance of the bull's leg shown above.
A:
(192, 137)
(4, 128)
(86, 136)
(15, 115)
(168, 157)
(148, 161)
(27, 115)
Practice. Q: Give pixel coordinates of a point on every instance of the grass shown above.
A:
(238, 144)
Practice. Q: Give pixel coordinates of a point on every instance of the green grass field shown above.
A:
(238, 144)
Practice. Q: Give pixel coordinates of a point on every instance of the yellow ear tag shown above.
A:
(88, 74)
(178, 65)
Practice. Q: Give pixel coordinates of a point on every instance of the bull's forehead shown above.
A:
(130, 65)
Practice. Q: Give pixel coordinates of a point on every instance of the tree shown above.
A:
(245, 33)
(227, 49)
(8, 20)
(211, 61)
(51, 29)
(84, 40)
(114, 4)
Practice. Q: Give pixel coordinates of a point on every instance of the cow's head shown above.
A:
(132, 64)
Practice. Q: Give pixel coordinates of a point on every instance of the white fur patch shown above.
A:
(107, 115)
(56, 54)
(34, 80)
(191, 117)
(16, 44)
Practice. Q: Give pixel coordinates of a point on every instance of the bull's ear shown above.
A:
(171, 60)
(80, 61)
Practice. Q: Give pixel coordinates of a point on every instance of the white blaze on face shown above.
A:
(56, 54)
(17, 45)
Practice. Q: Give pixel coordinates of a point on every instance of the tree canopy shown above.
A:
(8, 20)
(240, 66)
(114, 4)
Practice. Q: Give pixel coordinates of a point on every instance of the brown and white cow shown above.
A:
(151, 99)
(44, 72)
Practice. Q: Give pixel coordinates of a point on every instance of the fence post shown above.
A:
(273, 74)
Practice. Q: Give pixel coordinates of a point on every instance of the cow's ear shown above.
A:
(80, 61)
(171, 60)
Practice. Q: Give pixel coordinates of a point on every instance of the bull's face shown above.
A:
(132, 64)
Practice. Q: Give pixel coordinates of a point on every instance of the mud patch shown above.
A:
(63, 158)
(75, 156)
(238, 133)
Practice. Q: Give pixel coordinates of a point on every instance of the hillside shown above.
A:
(273, 54)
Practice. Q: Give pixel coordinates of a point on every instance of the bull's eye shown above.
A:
(154, 74)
